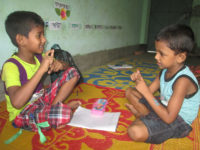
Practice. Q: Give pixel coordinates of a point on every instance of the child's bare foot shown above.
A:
(132, 109)
(74, 104)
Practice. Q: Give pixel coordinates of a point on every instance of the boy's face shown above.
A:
(165, 57)
(36, 40)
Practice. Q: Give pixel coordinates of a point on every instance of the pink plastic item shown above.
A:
(99, 107)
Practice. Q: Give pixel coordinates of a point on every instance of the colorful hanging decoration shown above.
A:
(62, 10)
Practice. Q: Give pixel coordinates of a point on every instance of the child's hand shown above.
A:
(140, 83)
(47, 61)
(136, 75)
(133, 76)
(57, 66)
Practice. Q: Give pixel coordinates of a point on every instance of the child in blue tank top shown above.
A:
(170, 116)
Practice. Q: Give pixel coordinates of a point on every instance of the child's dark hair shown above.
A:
(179, 38)
(21, 22)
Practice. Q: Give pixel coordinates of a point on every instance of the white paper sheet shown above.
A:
(118, 67)
(83, 118)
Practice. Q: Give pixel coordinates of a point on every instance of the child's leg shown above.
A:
(137, 131)
(72, 105)
(66, 90)
(62, 87)
(152, 129)
(137, 108)
(57, 115)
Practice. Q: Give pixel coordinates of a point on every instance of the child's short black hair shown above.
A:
(179, 37)
(21, 22)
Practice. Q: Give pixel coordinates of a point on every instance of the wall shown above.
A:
(129, 15)
(195, 24)
(164, 13)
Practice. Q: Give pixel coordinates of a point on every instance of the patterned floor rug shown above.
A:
(120, 79)
(74, 138)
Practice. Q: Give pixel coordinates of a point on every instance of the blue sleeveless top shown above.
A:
(190, 106)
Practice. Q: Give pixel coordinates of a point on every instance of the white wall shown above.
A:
(125, 13)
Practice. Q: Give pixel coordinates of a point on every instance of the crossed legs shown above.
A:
(137, 131)
(64, 92)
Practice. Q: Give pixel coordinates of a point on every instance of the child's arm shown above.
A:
(170, 113)
(19, 95)
(153, 87)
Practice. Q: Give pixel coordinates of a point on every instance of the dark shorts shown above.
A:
(159, 131)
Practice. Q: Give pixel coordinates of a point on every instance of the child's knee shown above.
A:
(75, 71)
(75, 79)
(71, 72)
(133, 133)
(136, 134)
